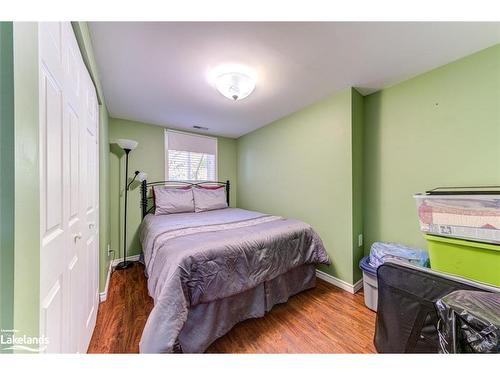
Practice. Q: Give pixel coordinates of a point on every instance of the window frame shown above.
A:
(165, 149)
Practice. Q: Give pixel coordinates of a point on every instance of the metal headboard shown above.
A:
(145, 186)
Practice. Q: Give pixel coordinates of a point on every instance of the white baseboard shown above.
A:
(357, 285)
(104, 295)
(351, 288)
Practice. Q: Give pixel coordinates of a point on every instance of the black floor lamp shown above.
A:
(127, 145)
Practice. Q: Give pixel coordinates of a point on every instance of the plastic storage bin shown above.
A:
(473, 260)
(370, 284)
(468, 216)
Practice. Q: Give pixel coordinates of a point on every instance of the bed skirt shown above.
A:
(208, 321)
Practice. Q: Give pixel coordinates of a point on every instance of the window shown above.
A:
(190, 157)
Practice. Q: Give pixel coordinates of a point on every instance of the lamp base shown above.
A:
(124, 265)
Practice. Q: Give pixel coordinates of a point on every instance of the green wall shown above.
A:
(85, 43)
(26, 179)
(104, 199)
(7, 180)
(357, 112)
(441, 128)
(301, 167)
(84, 40)
(149, 157)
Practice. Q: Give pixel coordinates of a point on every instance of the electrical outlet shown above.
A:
(109, 250)
(360, 240)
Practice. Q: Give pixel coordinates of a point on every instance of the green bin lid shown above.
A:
(457, 241)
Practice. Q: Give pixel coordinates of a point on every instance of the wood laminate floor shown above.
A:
(325, 319)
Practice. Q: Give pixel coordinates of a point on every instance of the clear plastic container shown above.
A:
(471, 217)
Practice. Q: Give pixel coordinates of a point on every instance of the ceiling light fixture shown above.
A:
(235, 82)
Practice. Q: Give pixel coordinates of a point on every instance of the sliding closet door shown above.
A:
(68, 268)
(91, 172)
(53, 190)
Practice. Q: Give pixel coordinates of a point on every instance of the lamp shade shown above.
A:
(127, 144)
(141, 176)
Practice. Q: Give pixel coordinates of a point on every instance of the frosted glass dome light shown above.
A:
(235, 86)
(233, 81)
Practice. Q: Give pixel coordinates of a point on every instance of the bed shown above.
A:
(209, 270)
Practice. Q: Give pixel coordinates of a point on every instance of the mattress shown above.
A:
(198, 258)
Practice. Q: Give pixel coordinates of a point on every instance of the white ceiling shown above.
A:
(156, 72)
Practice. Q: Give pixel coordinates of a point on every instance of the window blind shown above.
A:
(190, 157)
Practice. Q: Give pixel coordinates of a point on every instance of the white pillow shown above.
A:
(209, 199)
(172, 201)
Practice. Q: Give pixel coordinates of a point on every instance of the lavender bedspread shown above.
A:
(197, 258)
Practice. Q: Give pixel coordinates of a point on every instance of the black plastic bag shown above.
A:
(469, 322)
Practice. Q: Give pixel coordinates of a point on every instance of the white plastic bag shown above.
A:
(380, 252)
